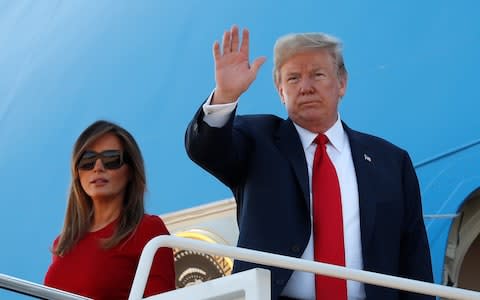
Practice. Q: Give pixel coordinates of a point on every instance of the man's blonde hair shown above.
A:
(291, 44)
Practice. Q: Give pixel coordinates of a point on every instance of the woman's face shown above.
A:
(103, 174)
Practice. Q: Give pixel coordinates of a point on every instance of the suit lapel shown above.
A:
(290, 145)
(364, 164)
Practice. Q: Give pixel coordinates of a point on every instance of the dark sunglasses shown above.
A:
(111, 159)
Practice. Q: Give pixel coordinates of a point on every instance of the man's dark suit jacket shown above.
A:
(261, 159)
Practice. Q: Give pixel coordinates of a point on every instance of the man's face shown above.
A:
(311, 89)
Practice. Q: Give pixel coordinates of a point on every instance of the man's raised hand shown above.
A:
(233, 72)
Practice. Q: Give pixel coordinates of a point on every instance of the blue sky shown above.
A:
(148, 66)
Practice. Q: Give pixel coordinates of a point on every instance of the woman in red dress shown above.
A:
(106, 227)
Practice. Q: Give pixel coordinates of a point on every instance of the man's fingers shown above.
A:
(244, 47)
(257, 64)
(227, 42)
(235, 38)
(216, 51)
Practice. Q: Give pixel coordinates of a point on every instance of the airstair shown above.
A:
(249, 285)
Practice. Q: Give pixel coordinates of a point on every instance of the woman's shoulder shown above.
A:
(152, 224)
(55, 242)
(149, 227)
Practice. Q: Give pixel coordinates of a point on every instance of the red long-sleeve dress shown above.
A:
(94, 272)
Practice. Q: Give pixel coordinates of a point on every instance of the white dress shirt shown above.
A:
(301, 285)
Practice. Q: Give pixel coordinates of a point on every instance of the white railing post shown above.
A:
(286, 262)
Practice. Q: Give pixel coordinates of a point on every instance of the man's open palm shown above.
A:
(233, 72)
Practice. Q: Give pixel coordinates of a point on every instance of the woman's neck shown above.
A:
(104, 214)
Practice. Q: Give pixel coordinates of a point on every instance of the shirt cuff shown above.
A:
(217, 115)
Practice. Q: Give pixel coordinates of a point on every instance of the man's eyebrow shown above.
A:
(292, 72)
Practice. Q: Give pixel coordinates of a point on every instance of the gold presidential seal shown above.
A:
(192, 267)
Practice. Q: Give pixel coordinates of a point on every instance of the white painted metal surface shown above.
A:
(146, 259)
(37, 290)
(249, 285)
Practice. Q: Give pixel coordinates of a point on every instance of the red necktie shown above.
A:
(327, 222)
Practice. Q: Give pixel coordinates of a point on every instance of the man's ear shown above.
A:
(281, 94)
(343, 85)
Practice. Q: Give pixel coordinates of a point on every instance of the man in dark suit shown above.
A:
(268, 163)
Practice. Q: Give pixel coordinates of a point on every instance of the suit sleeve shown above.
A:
(220, 151)
(415, 260)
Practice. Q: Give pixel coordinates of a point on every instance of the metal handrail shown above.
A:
(35, 290)
(441, 216)
(446, 154)
(287, 262)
